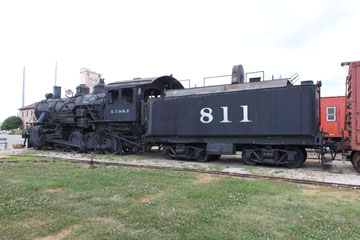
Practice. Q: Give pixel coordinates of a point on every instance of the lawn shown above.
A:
(72, 201)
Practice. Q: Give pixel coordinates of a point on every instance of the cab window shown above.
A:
(127, 95)
(113, 96)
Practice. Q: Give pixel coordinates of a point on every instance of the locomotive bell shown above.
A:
(237, 74)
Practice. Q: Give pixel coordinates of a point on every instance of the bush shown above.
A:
(12, 122)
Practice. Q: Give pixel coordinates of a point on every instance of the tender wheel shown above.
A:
(168, 152)
(355, 160)
(110, 145)
(203, 157)
(298, 156)
(305, 153)
(76, 138)
(249, 156)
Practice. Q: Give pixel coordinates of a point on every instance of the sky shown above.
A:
(193, 39)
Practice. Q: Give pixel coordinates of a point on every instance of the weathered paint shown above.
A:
(279, 111)
(353, 104)
(334, 128)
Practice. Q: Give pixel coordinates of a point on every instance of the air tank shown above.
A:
(57, 92)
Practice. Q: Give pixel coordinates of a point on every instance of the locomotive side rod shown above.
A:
(179, 169)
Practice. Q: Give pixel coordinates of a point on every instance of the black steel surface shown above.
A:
(284, 111)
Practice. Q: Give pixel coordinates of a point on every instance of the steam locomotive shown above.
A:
(271, 122)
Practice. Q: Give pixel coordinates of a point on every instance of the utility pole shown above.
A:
(23, 92)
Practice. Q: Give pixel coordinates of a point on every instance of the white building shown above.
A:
(89, 78)
(27, 115)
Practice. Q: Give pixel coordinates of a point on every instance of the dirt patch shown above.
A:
(205, 178)
(338, 195)
(30, 223)
(62, 234)
(107, 220)
(52, 190)
(3, 156)
(153, 197)
(150, 198)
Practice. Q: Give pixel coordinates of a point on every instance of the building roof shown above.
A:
(28, 107)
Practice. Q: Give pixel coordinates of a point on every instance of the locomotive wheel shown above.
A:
(305, 153)
(248, 159)
(203, 157)
(91, 140)
(76, 138)
(110, 145)
(126, 148)
(168, 152)
(355, 160)
(299, 157)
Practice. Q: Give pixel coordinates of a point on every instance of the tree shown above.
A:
(12, 122)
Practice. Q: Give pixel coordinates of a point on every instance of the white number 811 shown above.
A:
(207, 117)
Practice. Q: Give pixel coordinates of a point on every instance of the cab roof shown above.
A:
(164, 82)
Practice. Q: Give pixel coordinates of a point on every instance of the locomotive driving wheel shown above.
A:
(92, 140)
(76, 138)
(110, 144)
(355, 160)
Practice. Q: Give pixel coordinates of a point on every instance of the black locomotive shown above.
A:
(271, 122)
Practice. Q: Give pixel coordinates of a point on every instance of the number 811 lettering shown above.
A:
(207, 117)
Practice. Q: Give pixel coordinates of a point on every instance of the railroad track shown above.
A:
(189, 170)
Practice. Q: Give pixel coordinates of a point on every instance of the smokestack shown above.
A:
(57, 92)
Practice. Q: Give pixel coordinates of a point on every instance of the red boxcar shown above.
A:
(353, 112)
(333, 117)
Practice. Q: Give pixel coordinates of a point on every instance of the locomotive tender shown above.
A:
(271, 122)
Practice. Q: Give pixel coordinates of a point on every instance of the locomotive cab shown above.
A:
(126, 101)
(120, 104)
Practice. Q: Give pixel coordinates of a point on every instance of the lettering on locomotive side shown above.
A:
(117, 111)
(207, 117)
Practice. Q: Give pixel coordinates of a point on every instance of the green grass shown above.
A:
(77, 202)
(22, 158)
